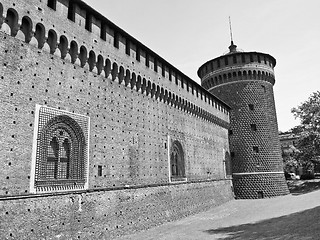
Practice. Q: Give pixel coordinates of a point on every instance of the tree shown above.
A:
(309, 112)
(309, 131)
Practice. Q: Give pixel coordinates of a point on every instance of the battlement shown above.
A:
(237, 66)
(75, 32)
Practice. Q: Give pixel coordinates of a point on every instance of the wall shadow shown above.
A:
(302, 225)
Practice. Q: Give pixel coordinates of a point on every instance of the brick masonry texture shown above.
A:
(131, 130)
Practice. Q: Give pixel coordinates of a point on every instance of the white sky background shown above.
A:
(187, 33)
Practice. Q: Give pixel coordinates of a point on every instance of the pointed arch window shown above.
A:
(177, 164)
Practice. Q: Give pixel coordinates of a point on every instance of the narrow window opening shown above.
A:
(218, 63)
(103, 32)
(71, 11)
(155, 65)
(251, 107)
(88, 24)
(127, 47)
(138, 54)
(147, 60)
(226, 62)
(163, 70)
(230, 132)
(99, 170)
(116, 40)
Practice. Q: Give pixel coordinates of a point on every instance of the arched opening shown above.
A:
(250, 74)
(73, 51)
(83, 56)
(169, 98)
(26, 28)
(254, 74)
(40, 35)
(52, 41)
(12, 21)
(161, 94)
(259, 75)
(121, 74)
(107, 68)
(177, 165)
(244, 74)
(127, 78)
(99, 64)
(133, 81)
(148, 89)
(114, 71)
(153, 90)
(138, 84)
(92, 60)
(144, 85)
(63, 46)
(165, 97)
(157, 92)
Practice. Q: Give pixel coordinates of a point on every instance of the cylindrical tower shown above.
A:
(245, 80)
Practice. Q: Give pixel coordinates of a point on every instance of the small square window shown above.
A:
(251, 107)
(230, 132)
(253, 127)
(255, 149)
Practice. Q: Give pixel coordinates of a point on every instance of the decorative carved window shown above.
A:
(177, 166)
(60, 155)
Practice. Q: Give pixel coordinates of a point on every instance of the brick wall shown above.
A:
(130, 136)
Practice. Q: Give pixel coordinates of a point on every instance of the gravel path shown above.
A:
(287, 217)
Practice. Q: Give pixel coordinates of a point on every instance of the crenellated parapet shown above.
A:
(238, 66)
(74, 32)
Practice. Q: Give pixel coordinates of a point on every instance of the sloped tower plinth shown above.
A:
(245, 80)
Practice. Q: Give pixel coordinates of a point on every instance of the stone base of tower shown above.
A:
(259, 185)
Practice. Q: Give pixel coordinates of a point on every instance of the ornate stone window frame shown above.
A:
(70, 170)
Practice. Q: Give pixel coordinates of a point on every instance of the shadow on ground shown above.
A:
(302, 225)
(297, 187)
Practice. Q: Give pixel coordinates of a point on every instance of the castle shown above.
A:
(101, 136)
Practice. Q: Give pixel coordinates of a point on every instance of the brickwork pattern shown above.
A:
(129, 131)
(259, 186)
(106, 214)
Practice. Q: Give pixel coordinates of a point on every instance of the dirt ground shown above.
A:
(295, 216)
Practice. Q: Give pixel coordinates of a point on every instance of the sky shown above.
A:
(187, 33)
